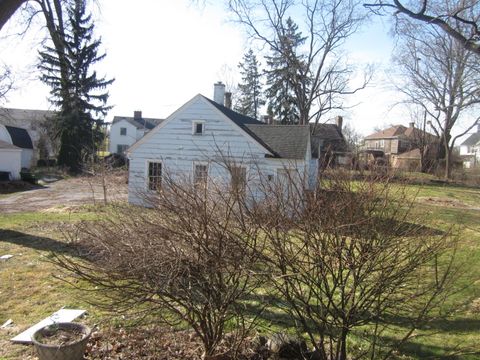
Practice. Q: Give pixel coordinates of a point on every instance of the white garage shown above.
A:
(10, 160)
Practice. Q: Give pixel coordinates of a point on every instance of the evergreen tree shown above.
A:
(285, 67)
(250, 90)
(77, 92)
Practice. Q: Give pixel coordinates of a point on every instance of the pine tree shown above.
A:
(250, 90)
(77, 92)
(285, 66)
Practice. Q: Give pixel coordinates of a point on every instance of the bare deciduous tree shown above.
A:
(6, 81)
(458, 19)
(324, 76)
(441, 77)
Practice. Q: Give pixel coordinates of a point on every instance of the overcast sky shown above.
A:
(162, 53)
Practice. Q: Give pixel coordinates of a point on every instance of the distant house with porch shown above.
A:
(399, 146)
(125, 131)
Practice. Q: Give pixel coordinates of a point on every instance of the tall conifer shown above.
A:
(283, 66)
(77, 92)
(250, 89)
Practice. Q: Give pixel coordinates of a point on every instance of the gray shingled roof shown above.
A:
(283, 141)
(147, 123)
(9, 115)
(288, 141)
(20, 137)
(326, 131)
(472, 139)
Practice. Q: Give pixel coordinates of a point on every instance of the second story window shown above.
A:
(198, 127)
(123, 131)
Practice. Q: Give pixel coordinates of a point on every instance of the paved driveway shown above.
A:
(66, 193)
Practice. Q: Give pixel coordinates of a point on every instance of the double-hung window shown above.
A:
(123, 131)
(154, 175)
(200, 174)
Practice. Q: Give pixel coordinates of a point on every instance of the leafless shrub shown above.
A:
(188, 260)
(346, 256)
(341, 258)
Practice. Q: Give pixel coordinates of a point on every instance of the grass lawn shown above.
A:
(29, 291)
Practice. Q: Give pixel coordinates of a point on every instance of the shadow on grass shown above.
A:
(39, 243)
(443, 352)
(11, 187)
(457, 325)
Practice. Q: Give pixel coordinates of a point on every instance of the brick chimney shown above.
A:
(219, 93)
(137, 115)
(339, 122)
(228, 99)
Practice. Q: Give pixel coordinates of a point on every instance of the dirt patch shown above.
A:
(444, 202)
(67, 193)
(10, 187)
(159, 343)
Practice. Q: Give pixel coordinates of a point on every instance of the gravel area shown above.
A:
(69, 192)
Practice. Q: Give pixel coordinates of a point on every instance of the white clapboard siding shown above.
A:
(173, 144)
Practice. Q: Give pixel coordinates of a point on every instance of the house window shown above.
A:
(121, 148)
(200, 174)
(123, 131)
(154, 175)
(239, 178)
(198, 128)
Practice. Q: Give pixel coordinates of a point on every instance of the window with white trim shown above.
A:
(154, 175)
(198, 127)
(200, 174)
(121, 148)
(123, 131)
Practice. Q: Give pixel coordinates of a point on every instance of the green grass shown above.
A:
(29, 290)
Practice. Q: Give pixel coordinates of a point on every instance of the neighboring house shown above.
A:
(125, 131)
(37, 124)
(10, 161)
(195, 139)
(329, 145)
(21, 139)
(470, 150)
(396, 144)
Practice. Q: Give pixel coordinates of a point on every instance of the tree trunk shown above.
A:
(7, 9)
(448, 163)
(343, 344)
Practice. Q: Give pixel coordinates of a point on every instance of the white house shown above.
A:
(195, 137)
(36, 123)
(10, 161)
(470, 150)
(125, 131)
(20, 139)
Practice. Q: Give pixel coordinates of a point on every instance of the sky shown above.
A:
(162, 53)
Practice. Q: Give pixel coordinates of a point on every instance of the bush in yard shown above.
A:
(346, 259)
(186, 261)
